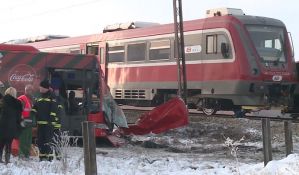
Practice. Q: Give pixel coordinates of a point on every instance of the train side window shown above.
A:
(136, 52)
(75, 51)
(92, 49)
(223, 46)
(211, 44)
(159, 50)
(116, 54)
(217, 46)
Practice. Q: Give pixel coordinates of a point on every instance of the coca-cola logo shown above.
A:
(23, 78)
(20, 76)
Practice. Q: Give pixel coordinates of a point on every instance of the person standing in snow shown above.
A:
(10, 122)
(26, 134)
(45, 111)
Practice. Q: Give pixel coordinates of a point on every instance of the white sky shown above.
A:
(27, 18)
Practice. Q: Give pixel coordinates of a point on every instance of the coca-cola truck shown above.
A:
(68, 74)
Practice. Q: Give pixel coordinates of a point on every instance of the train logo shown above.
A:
(277, 78)
(193, 49)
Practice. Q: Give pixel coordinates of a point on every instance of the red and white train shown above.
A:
(232, 60)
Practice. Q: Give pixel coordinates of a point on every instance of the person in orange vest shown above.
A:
(26, 134)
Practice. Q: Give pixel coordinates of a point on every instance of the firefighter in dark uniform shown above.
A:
(45, 112)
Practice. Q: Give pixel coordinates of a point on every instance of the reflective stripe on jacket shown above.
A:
(45, 109)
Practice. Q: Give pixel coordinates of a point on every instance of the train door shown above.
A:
(100, 50)
(194, 67)
(103, 59)
(82, 48)
(77, 91)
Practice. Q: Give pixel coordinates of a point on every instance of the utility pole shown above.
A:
(179, 49)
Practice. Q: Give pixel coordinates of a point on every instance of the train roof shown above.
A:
(216, 21)
(11, 47)
(128, 25)
(258, 20)
(35, 39)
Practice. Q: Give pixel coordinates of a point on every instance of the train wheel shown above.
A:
(208, 106)
(209, 111)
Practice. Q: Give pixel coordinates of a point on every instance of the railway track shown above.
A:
(133, 113)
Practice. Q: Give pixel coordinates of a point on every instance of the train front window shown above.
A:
(269, 42)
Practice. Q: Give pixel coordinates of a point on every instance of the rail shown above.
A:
(264, 115)
(273, 115)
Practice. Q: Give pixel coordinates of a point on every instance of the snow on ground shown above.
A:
(200, 148)
(131, 160)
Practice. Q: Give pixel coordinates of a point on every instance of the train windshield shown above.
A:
(269, 42)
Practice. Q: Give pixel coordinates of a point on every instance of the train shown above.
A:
(233, 61)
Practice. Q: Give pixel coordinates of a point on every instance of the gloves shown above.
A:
(23, 124)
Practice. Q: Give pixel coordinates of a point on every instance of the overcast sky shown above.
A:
(27, 18)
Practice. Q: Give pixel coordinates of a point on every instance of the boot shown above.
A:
(1, 161)
(7, 157)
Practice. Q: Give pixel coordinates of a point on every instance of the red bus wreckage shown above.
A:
(22, 65)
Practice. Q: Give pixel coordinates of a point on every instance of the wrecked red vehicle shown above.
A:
(81, 74)
(172, 114)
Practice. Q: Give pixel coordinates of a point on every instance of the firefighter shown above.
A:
(26, 134)
(45, 111)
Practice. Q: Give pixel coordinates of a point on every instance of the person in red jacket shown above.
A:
(26, 134)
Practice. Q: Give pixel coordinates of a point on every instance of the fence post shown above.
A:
(288, 137)
(89, 146)
(267, 148)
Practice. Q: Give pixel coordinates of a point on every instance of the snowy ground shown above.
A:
(200, 148)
